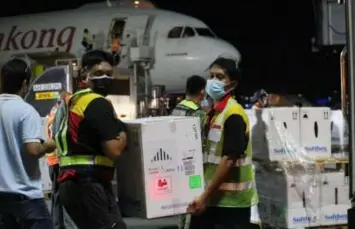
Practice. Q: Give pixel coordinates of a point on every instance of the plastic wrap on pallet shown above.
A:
(288, 178)
(340, 134)
(304, 172)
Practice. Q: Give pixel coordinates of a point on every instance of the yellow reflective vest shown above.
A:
(240, 189)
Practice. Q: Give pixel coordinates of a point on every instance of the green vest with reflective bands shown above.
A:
(66, 158)
(185, 108)
(240, 189)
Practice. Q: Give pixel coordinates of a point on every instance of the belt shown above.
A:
(86, 160)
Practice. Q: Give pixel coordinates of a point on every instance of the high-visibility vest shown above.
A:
(67, 158)
(240, 189)
(52, 158)
(185, 108)
(88, 38)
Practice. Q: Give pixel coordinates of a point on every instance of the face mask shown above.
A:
(205, 103)
(101, 84)
(215, 89)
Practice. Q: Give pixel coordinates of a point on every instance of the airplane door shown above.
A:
(136, 27)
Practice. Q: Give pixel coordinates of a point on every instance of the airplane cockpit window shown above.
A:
(175, 32)
(188, 32)
(204, 32)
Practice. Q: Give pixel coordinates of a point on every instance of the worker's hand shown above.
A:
(197, 206)
(123, 138)
(49, 145)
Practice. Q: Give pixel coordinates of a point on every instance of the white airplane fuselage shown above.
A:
(176, 56)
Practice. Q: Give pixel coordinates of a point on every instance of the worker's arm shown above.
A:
(233, 148)
(111, 131)
(31, 135)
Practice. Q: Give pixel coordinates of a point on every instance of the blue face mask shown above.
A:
(215, 89)
(205, 103)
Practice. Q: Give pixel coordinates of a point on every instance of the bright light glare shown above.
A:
(136, 2)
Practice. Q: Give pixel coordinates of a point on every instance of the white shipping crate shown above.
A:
(315, 133)
(294, 217)
(275, 133)
(162, 170)
(335, 214)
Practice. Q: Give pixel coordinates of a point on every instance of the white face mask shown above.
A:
(100, 77)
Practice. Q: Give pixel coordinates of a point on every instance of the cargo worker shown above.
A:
(89, 141)
(21, 145)
(230, 188)
(53, 125)
(195, 95)
(260, 99)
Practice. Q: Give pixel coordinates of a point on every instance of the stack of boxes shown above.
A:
(294, 192)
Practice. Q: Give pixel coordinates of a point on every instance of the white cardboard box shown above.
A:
(161, 172)
(335, 214)
(294, 217)
(275, 133)
(315, 133)
(285, 188)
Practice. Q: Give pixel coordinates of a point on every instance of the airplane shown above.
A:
(181, 45)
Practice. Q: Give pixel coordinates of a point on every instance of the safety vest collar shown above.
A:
(190, 104)
(220, 105)
(80, 92)
(83, 91)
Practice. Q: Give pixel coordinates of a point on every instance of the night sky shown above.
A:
(274, 38)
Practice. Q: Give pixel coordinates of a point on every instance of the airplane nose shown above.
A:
(227, 50)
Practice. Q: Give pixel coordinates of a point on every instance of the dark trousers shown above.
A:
(57, 208)
(91, 204)
(19, 212)
(222, 218)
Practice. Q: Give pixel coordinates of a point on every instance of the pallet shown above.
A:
(318, 227)
(330, 227)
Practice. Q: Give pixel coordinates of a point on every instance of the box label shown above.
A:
(195, 182)
(162, 185)
(46, 95)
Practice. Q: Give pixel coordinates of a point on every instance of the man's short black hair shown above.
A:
(229, 66)
(94, 57)
(13, 74)
(195, 84)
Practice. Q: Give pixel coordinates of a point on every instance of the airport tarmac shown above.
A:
(137, 223)
(132, 223)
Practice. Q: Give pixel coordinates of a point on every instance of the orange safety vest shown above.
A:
(115, 45)
(52, 158)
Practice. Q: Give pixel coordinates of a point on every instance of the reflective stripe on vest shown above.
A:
(239, 190)
(237, 186)
(210, 158)
(86, 160)
(61, 137)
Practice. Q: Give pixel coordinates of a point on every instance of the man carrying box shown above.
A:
(89, 141)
